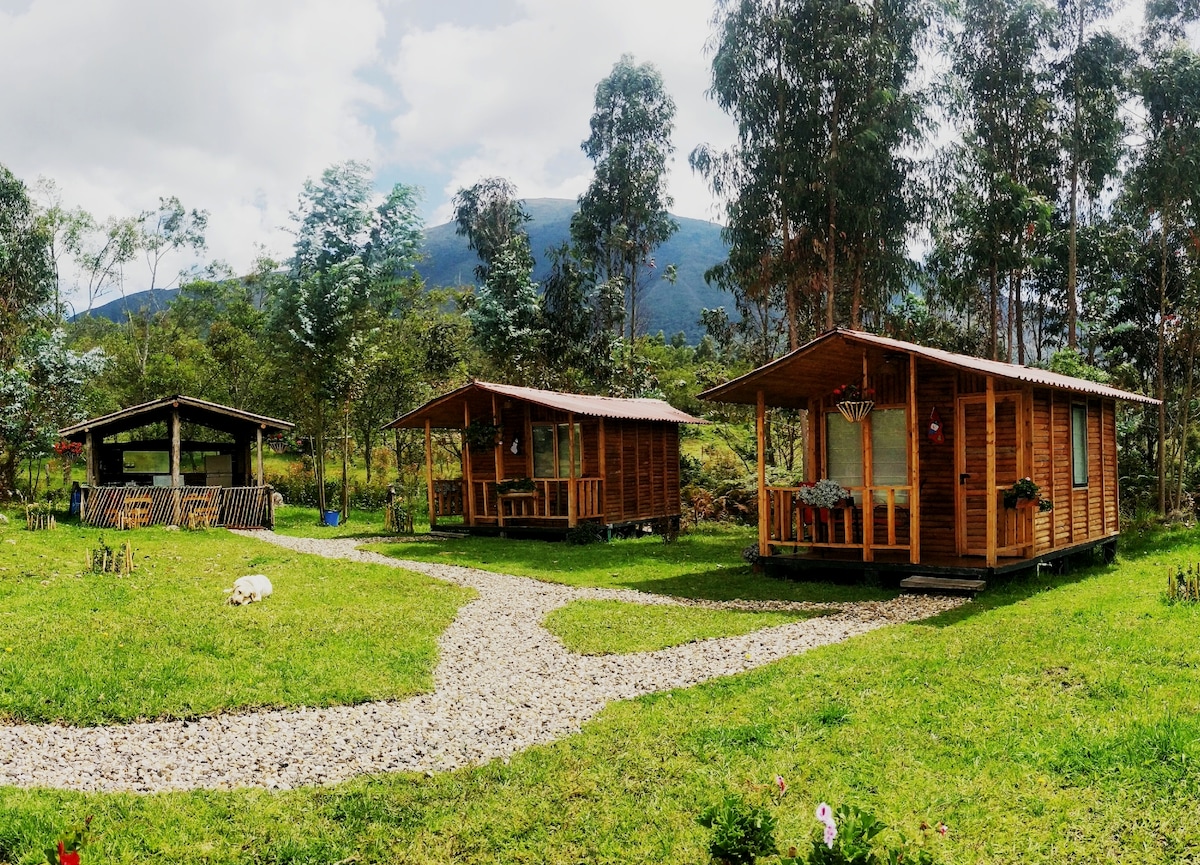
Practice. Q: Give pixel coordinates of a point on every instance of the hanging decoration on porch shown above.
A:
(937, 434)
(854, 401)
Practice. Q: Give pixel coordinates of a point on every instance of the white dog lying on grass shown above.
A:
(247, 590)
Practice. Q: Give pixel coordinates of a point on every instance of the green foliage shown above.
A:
(742, 830)
(585, 534)
(1183, 586)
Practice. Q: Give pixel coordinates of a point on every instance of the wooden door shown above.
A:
(971, 458)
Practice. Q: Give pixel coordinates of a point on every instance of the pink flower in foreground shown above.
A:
(830, 834)
(943, 829)
(781, 784)
(825, 814)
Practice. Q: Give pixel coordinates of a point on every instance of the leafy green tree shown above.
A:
(623, 216)
(489, 215)
(26, 265)
(506, 315)
(348, 256)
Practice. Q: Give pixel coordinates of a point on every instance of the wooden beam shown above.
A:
(572, 493)
(429, 473)
(812, 417)
(468, 480)
(990, 499)
(259, 442)
(603, 455)
(764, 516)
(498, 452)
(868, 502)
(91, 468)
(175, 446)
(914, 465)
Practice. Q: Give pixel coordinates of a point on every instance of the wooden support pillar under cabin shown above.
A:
(429, 474)
(468, 484)
(176, 458)
(914, 466)
(990, 533)
(764, 510)
(258, 443)
(572, 493)
(868, 468)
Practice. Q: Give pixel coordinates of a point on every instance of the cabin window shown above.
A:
(843, 452)
(1079, 445)
(552, 451)
(889, 452)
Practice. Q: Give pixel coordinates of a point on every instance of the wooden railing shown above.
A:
(793, 524)
(193, 507)
(447, 498)
(549, 500)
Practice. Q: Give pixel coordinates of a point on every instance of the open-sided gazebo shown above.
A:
(929, 450)
(173, 480)
(546, 461)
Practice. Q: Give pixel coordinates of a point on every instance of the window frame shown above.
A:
(1079, 480)
(559, 459)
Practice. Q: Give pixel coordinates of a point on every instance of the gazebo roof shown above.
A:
(207, 414)
(819, 366)
(446, 411)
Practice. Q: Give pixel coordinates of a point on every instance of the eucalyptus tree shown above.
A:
(821, 94)
(489, 215)
(622, 217)
(1000, 99)
(26, 264)
(352, 248)
(506, 316)
(1163, 185)
(1091, 83)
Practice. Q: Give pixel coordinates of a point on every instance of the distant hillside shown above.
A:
(693, 249)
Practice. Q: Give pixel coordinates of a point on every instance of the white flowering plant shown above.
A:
(825, 493)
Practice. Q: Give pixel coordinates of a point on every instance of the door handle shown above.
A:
(962, 479)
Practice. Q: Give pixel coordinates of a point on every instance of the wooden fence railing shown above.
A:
(193, 507)
(793, 524)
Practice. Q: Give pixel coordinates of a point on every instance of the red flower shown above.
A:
(67, 858)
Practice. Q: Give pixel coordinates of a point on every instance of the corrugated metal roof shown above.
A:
(735, 390)
(655, 410)
(128, 418)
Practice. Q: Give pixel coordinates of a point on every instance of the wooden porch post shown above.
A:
(764, 510)
(176, 502)
(603, 475)
(468, 483)
(991, 473)
(914, 465)
(259, 442)
(91, 467)
(429, 473)
(868, 457)
(497, 448)
(572, 493)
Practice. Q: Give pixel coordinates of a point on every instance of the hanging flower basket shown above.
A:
(854, 401)
(277, 445)
(855, 410)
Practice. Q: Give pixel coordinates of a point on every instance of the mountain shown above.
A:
(693, 249)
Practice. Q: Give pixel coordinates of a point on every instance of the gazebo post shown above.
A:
(91, 469)
(176, 447)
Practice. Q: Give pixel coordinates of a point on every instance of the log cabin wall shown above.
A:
(1081, 513)
(937, 388)
(642, 470)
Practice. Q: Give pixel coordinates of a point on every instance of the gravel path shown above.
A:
(502, 683)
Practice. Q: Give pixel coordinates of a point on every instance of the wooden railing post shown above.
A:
(764, 508)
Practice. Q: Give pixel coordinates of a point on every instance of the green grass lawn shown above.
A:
(614, 627)
(1054, 720)
(86, 648)
(702, 564)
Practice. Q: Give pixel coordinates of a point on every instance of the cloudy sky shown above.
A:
(231, 104)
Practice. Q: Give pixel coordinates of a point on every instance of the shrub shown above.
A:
(742, 830)
(586, 533)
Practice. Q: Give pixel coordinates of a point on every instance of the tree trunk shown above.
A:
(1160, 373)
(994, 310)
(1185, 417)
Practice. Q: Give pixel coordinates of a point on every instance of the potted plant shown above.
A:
(481, 435)
(824, 494)
(1026, 494)
(854, 401)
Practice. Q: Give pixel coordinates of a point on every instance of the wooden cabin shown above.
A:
(539, 459)
(159, 477)
(929, 453)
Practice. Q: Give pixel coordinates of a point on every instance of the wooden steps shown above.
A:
(942, 585)
(447, 535)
